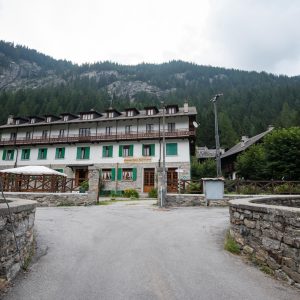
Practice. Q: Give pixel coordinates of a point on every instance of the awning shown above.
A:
(33, 170)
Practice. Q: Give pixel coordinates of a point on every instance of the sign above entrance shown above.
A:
(138, 160)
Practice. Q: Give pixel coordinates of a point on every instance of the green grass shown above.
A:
(266, 270)
(109, 202)
(231, 245)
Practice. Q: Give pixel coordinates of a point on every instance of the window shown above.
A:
(66, 118)
(61, 133)
(25, 154)
(48, 119)
(110, 114)
(130, 113)
(171, 127)
(60, 153)
(107, 151)
(84, 131)
(128, 128)
(149, 128)
(42, 153)
(32, 120)
(13, 136)
(8, 154)
(108, 130)
(150, 112)
(171, 149)
(127, 174)
(28, 135)
(125, 150)
(44, 134)
(171, 110)
(149, 150)
(108, 174)
(87, 116)
(59, 170)
(17, 122)
(83, 153)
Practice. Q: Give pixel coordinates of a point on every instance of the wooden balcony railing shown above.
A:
(72, 138)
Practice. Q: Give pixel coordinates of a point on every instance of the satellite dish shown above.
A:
(195, 124)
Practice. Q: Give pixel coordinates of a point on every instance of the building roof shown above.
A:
(246, 143)
(142, 115)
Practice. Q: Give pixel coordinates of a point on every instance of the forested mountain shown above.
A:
(33, 83)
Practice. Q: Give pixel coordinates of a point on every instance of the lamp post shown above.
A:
(218, 157)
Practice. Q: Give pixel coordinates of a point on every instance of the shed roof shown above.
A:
(33, 170)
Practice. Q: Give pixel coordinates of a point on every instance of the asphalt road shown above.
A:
(135, 251)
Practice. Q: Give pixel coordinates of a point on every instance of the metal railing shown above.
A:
(72, 138)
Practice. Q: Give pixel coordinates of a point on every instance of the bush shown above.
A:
(152, 193)
(194, 187)
(84, 186)
(131, 193)
(231, 245)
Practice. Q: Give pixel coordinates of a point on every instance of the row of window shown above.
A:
(87, 131)
(126, 174)
(84, 152)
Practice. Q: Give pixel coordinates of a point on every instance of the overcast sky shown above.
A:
(261, 35)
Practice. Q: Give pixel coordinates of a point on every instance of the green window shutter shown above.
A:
(103, 151)
(134, 174)
(87, 153)
(12, 154)
(131, 150)
(152, 149)
(23, 154)
(110, 151)
(28, 156)
(45, 156)
(143, 150)
(78, 155)
(119, 174)
(113, 174)
(63, 152)
(4, 154)
(120, 151)
(39, 154)
(56, 152)
(171, 149)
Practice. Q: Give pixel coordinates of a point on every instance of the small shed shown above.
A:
(33, 179)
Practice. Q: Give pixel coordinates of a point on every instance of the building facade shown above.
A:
(126, 147)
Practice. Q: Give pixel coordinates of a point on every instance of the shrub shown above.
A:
(152, 193)
(131, 193)
(194, 187)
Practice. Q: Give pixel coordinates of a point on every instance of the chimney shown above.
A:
(10, 120)
(185, 107)
(244, 139)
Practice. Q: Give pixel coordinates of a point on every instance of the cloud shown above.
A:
(249, 34)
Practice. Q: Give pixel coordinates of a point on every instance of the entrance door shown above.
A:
(148, 179)
(80, 176)
(172, 180)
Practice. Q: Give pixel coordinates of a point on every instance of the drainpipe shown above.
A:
(17, 150)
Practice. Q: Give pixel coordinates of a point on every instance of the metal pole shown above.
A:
(218, 156)
(164, 160)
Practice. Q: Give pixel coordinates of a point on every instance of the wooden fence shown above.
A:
(245, 187)
(37, 183)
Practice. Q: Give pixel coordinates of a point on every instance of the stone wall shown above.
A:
(55, 199)
(23, 214)
(270, 233)
(177, 200)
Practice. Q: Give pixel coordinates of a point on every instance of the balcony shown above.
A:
(76, 138)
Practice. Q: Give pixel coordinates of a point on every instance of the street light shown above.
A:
(218, 157)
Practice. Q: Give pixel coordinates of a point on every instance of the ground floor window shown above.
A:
(108, 174)
(127, 174)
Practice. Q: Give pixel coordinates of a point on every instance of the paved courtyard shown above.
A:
(133, 250)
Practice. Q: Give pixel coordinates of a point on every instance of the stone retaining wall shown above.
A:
(23, 214)
(55, 199)
(269, 232)
(177, 200)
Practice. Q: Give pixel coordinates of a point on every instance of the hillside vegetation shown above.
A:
(33, 83)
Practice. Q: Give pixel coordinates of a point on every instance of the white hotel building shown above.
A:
(126, 147)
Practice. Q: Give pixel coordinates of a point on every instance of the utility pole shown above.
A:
(164, 159)
(218, 156)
